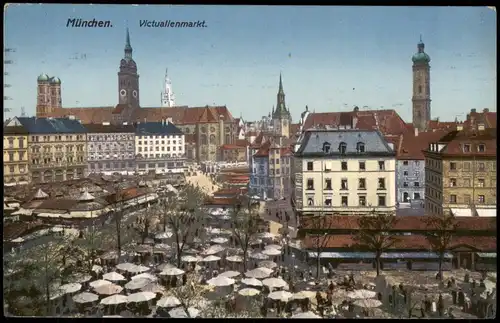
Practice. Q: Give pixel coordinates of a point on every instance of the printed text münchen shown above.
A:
(93, 23)
(172, 24)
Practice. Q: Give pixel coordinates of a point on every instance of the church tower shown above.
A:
(421, 100)
(281, 116)
(128, 79)
(167, 97)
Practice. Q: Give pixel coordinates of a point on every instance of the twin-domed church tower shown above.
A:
(421, 100)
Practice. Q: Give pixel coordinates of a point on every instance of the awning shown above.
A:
(487, 254)
(486, 212)
(385, 255)
(462, 212)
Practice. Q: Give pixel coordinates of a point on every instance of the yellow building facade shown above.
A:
(15, 155)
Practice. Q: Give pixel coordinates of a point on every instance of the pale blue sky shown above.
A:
(332, 58)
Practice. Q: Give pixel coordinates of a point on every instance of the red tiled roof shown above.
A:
(438, 125)
(294, 128)
(263, 150)
(413, 242)
(229, 191)
(410, 147)
(489, 119)
(225, 201)
(410, 223)
(456, 139)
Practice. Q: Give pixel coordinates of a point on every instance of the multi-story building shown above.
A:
(344, 171)
(57, 148)
(159, 148)
(460, 171)
(15, 154)
(237, 152)
(110, 148)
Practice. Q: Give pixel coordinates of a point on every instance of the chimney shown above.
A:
(354, 122)
(486, 110)
(460, 127)
(416, 132)
(473, 110)
(480, 127)
(356, 109)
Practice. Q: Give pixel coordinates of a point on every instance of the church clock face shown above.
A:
(134, 93)
(123, 92)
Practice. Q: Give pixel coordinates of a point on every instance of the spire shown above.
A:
(272, 113)
(128, 47)
(281, 85)
(420, 37)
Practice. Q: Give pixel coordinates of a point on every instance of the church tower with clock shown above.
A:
(281, 117)
(128, 79)
(421, 100)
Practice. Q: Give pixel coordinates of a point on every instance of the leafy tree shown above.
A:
(374, 234)
(441, 229)
(244, 225)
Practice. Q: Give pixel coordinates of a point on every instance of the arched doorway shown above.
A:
(406, 197)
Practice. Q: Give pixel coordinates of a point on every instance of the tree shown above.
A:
(86, 249)
(374, 234)
(145, 224)
(441, 229)
(244, 225)
(118, 204)
(183, 215)
(190, 294)
(320, 237)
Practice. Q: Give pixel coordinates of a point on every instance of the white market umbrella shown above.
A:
(113, 277)
(190, 259)
(274, 282)
(99, 283)
(172, 272)
(230, 274)
(81, 278)
(154, 287)
(114, 300)
(266, 235)
(139, 269)
(97, 269)
(271, 252)
(164, 235)
(220, 281)
(368, 303)
(110, 289)
(140, 297)
(235, 259)
(306, 315)
(180, 313)
(268, 264)
(259, 256)
(70, 288)
(145, 275)
(85, 297)
(162, 247)
(280, 295)
(212, 250)
(273, 246)
(361, 294)
(259, 273)
(219, 240)
(126, 266)
(137, 283)
(304, 294)
(211, 258)
(252, 282)
(168, 301)
(164, 266)
(248, 292)
(213, 230)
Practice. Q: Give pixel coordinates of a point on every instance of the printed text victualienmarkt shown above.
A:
(172, 24)
(94, 23)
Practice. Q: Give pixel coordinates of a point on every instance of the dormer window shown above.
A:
(481, 148)
(326, 147)
(360, 147)
(466, 148)
(342, 147)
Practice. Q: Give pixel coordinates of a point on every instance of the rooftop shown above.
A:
(51, 125)
(157, 128)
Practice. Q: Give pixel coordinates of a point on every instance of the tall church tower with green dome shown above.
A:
(421, 100)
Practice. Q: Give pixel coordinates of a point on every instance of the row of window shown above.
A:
(20, 142)
(285, 171)
(59, 148)
(481, 182)
(174, 148)
(58, 138)
(115, 156)
(157, 142)
(360, 147)
(22, 169)
(276, 161)
(57, 160)
(362, 185)
(111, 166)
(114, 137)
(11, 156)
(481, 167)
(407, 163)
(343, 166)
(344, 201)
(481, 199)
(160, 137)
(467, 148)
(159, 155)
(406, 196)
(112, 146)
(415, 184)
(416, 174)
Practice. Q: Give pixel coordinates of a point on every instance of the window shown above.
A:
(362, 166)
(360, 147)
(416, 184)
(362, 184)
(466, 182)
(310, 201)
(328, 202)
(481, 167)
(416, 196)
(466, 148)
(417, 162)
(381, 200)
(277, 161)
(344, 201)
(342, 147)
(453, 182)
(405, 163)
(406, 197)
(453, 166)
(481, 199)
(416, 174)
(326, 147)
(362, 200)
(481, 148)
(344, 165)
(343, 184)
(310, 184)
(466, 166)
(11, 169)
(405, 184)
(328, 184)
(467, 198)
(309, 165)
(381, 165)
(381, 183)
(480, 182)
(405, 173)
(11, 156)
(453, 198)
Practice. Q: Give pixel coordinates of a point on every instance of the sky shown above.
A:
(331, 58)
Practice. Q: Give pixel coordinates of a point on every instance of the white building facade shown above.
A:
(344, 172)
(159, 147)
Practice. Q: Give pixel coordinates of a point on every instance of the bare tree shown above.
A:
(118, 203)
(244, 225)
(374, 234)
(190, 294)
(318, 227)
(441, 229)
(89, 247)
